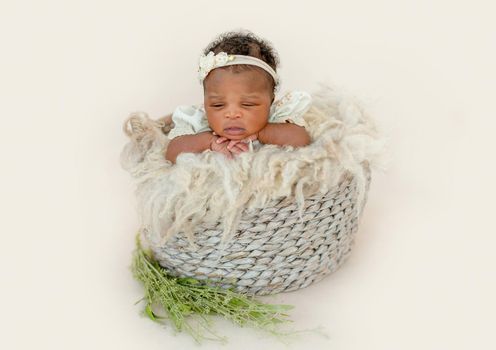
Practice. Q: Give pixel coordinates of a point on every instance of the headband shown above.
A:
(212, 61)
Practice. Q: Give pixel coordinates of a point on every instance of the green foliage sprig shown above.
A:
(188, 303)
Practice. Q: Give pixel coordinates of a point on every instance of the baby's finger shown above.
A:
(249, 138)
(232, 143)
(239, 148)
(236, 150)
(221, 139)
(242, 146)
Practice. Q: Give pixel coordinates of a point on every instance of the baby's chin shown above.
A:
(235, 137)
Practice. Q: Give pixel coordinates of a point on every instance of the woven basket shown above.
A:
(272, 250)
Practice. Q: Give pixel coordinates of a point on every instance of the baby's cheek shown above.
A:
(215, 126)
(262, 125)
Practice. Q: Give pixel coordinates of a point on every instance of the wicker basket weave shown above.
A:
(272, 250)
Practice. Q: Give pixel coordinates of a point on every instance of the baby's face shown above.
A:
(237, 105)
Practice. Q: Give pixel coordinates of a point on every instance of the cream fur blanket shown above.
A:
(208, 187)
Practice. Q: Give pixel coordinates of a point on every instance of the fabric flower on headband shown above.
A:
(211, 61)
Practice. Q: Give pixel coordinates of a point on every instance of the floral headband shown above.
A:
(212, 61)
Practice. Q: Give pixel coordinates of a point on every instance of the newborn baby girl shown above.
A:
(238, 73)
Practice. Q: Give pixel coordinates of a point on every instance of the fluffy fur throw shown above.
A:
(208, 187)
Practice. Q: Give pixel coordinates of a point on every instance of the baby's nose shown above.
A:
(233, 113)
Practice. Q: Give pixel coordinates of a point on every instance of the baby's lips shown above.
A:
(234, 131)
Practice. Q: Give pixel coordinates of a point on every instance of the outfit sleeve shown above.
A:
(290, 108)
(188, 120)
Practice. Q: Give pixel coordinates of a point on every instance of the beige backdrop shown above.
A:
(422, 275)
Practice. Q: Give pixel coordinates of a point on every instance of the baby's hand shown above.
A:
(237, 146)
(220, 147)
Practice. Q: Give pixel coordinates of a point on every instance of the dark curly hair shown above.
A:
(245, 42)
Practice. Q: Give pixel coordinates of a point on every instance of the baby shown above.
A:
(238, 74)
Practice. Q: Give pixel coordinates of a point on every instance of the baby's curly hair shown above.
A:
(245, 42)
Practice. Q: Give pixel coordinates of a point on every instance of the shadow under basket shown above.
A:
(272, 250)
